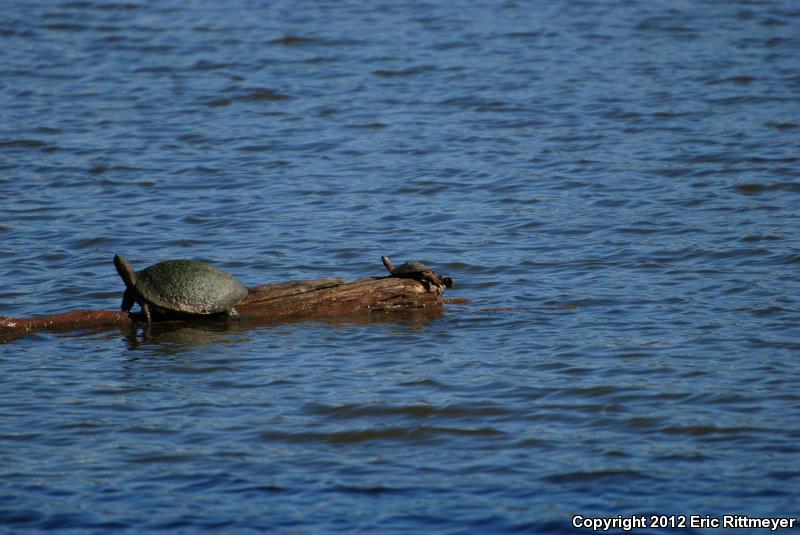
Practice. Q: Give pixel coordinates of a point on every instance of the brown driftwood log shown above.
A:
(327, 297)
(322, 298)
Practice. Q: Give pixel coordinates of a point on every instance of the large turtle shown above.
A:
(179, 287)
(414, 269)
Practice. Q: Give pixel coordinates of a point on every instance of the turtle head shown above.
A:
(387, 263)
(125, 271)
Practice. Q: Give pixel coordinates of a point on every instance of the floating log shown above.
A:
(327, 297)
(320, 298)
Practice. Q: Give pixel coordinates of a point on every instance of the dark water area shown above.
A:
(615, 187)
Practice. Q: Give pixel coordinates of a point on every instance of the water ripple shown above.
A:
(612, 186)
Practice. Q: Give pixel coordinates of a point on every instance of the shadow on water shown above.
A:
(175, 336)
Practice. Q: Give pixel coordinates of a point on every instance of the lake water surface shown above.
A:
(615, 187)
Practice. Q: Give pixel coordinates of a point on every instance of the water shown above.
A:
(613, 185)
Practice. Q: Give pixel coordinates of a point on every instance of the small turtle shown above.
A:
(414, 269)
(179, 287)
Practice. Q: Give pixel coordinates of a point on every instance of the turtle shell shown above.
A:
(190, 287)
(412, 266)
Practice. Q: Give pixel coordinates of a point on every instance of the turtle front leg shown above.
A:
(128, 300)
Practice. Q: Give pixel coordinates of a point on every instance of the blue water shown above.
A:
(614, 186)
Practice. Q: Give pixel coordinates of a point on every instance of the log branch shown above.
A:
(321, 298)
(326, 297)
